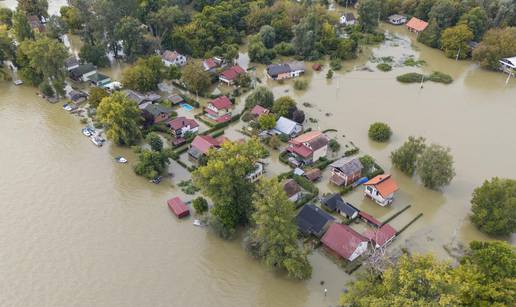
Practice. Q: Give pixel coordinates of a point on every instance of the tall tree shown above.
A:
(197, 80)
(283, 106)
(454, 41)
(435, 166)
(369, 14)
(273, 235)
(21, 26)
(223, 180)
(7, 48)
(260, 96)
(494, 206)
(406, 156)
(129, 31)
(496, 44)
(476, 20)
(6, 17)
(34, 7)
(121, 118)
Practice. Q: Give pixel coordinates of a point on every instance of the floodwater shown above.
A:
(80, 230)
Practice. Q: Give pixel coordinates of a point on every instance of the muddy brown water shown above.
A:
(78, 229)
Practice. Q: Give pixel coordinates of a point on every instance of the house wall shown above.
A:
(377, 197)
(321, 152)
(228, 82)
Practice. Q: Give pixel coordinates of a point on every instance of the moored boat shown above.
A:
(121, 159)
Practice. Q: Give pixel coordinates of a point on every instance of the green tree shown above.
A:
(154, 141)
(21, 26)
(273, 235)
(283, 106)
(346, 49)
(476, 20)
(144, 76)
(200, 205)
(260, 96)
(243, 80)
(432, 35)
(72, 17)
(454, 41)
(259, 53)
(121, 117)
(151, 164)
(423, 9)
(46, 89)
(96, 95)
(496, 44)
(406, 156)
(94, 54)
(435, 166)
(369, 14)
(267, 121)
(196, 79)
(223, 180)
(444, 12)
(129, 30)
(380, 132)
(268, 36)
(6, 17)
(334, 145)
(7, 48)
(274, 142)
(174, 73)
(329, 74)
(33, 7)
(306, 36)
(494, 206)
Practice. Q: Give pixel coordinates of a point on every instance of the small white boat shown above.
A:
(18, 82)
(87, 131)
(97, 140)
(67, 107)
(121, 159)
(198, 223)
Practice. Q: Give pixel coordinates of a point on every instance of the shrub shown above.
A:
(334, 145)
(440, 77)
(200, 205)
(405, 157)
(155, 141)
(435, 166)
(329, 74)
(336, 64)
(46, 89)
(411, 77)
(380, 132)
(412, 62)
(300, 84)
(384, 67)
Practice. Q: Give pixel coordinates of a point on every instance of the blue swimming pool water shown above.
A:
(186, 106)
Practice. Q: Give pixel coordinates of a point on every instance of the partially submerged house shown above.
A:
(508, 64)
(344, 242)
(256, 173)
(312, 220)
(83, 72)
(181, 126)
(309, 147)
(142, 100)
(99, 80)
(416, 25)
(345, 171)
(201, 144)
(157, 112)
(71, 63)
(35, 24)
(230, 75)
(287, 127)
(381, 189)
(348, 19)
(335, 203)
(211, 64)
(379, 237)
(397, 19)
(178, 207)
(285, 70)
(77, 97)
(219, 109)
(258, 111)
(176, 99)
(173, 58)
(313, 174)
(292, 189)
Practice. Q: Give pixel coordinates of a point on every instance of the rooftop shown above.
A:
(181, 122)
(342, 239)
(221, 102)
(417, 24)
(385, 184)
(232, 72)
(312, 219)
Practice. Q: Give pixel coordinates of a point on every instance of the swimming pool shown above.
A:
(186, 106)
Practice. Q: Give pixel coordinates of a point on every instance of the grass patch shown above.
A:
(440, 77)
(300, 84)
(384, 67)
(411, 77)
(414, 63)
(414, 77)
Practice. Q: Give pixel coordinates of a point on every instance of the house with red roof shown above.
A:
(219, 109)
(229, 75)
(211, 64)
(258, 111)
(181, 126)
(381, 189)
(173, 58)
(344, 242)
(380, 236)
(416, 25)
(178, 207)
(201, 144)
(309, 147)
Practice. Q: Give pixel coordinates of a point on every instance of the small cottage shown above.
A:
(309, 147)
(181, 126)
(345, 171)
(379, 237)
(77, 97)
(313, 174)
(219, 109)
(173, 58)
(292, 190)
(71, 63)
(508, 64)
(397, 19)
(83, 72)
(287, 127)
(344, 242)
(335, 203)
(258, 111)
(285, 70)
(416, 25)
(230, 75)
(381, 189)
(256, 173)
(348, 19)
(178, 207)
(99, 79)
(312, 220)
(211, 64)
(176, 99)
(142, 100)
(157, 113)
(201, 144)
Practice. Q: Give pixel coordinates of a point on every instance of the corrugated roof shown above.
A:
(380, 235)
(417, 24)
(348, 165)
(385, 184)
(221, 102)
(342, 239)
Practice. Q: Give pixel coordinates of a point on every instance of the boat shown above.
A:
(18, 82)
(156, 180)
(198, 223)
(87, 131)
(121, 159)
(67, 107)
(97, 140)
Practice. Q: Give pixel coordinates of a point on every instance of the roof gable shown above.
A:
(342, 239)
(232, 72)
(221, 102)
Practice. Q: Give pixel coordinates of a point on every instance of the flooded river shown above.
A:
(79, 230)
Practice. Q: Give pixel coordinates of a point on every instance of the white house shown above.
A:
(285, 70)
(173, 58)
(181, 125)
(348, 19)
(287, 126)
(256, 173)
(381, 189)
(397, 19)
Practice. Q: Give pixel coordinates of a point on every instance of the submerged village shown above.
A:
(205, 100)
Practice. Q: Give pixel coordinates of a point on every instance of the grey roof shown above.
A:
(348, 165)
(319, 142)
(74, 95)
(83, 69)
(276, 69)
(296, 65)
(285, 125)
(176, 98)
(71, 61)
(156, 109)
(98, 77)
(311, 220)
(335, 201)
(141, 98)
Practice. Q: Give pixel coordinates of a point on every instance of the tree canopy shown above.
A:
(260, 96)
(406, 156)
(196, 79)
(435, 166)
(380, 132)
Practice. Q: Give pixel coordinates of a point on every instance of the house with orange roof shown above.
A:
(381, 189)
(309, 147)
(416, 25)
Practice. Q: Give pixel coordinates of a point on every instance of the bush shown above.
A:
(306, 184)
(379, 132)
(334, 145)
(384, 67)
(435, 167)
(300, 84)
(336, 64)
(46, 89)
(411, 77)
(440, 77)
(285, 49)
(412, 62)
(405, 157)
(329, 74)
(200, 205)
(352, 151)
(154, 141)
